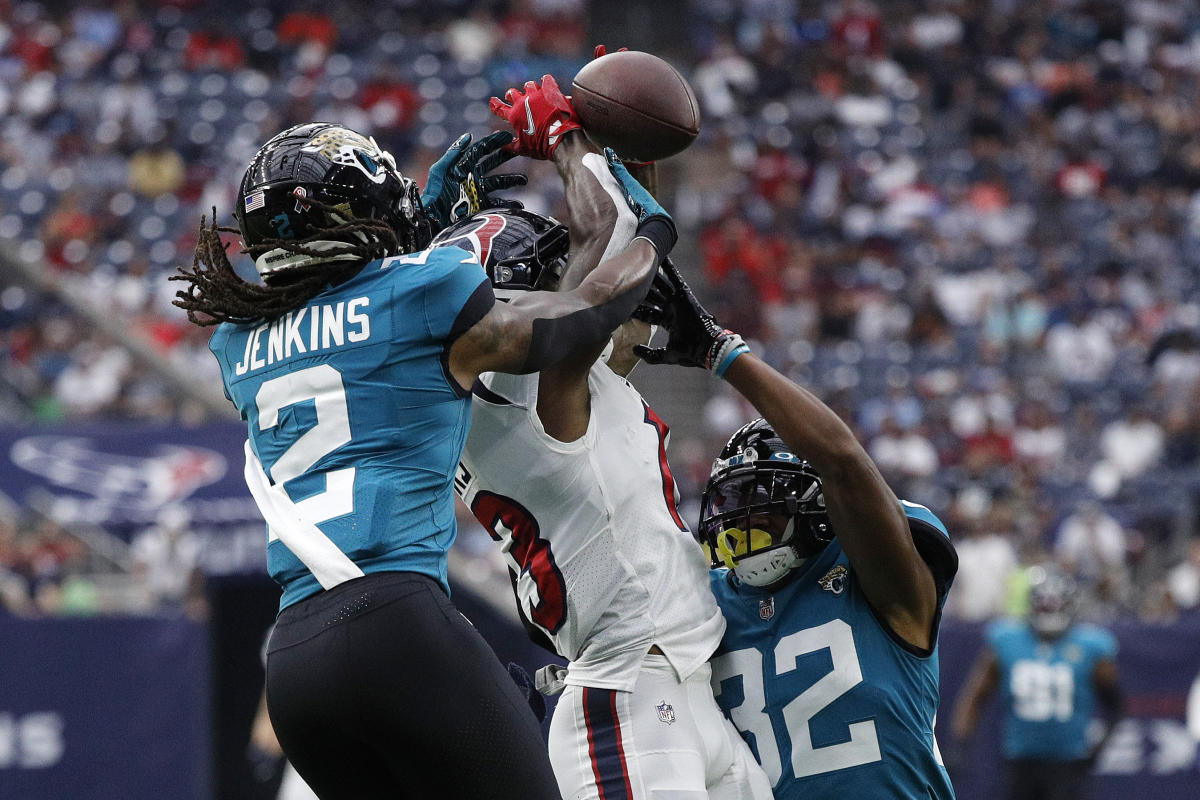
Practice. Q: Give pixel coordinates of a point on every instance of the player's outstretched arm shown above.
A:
(602, 223)
(870, 522)
(543, 328)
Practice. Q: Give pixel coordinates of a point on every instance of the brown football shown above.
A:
(637, 104)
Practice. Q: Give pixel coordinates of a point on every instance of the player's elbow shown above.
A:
(842, 459)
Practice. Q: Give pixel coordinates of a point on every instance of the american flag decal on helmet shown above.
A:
(255, 201)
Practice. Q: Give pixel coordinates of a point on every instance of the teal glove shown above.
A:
(640, 201)
(456, 186)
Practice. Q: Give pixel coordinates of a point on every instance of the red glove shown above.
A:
(601, 50)
(540, 116)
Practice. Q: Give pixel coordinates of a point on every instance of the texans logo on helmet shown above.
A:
(478, 239)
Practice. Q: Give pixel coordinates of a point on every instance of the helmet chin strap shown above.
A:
(280, 260)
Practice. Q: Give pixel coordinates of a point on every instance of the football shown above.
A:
(637, 104)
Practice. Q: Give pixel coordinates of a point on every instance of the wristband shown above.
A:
(659, 230)
(727, 353)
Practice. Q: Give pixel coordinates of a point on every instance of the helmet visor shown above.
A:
(748, 510)
(757, 491)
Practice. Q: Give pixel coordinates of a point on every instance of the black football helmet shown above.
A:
(757, 476)
(1052, 600)
(519, 250)
(348, 175)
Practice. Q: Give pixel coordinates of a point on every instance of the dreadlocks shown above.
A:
(218, 293)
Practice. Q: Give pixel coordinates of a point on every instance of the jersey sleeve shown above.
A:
(933, 544)
(456, 293)
(502, 388)
(216, 345)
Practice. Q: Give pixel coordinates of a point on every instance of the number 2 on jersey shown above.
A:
(323, 385)
(751, 716)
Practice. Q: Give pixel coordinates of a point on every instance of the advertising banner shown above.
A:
(104, 709)
(121, 476)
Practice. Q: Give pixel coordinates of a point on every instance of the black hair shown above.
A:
(216, 293)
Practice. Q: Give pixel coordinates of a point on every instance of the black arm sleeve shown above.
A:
(556, 338)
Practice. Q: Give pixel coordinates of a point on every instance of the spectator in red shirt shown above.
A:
(390, 100)
(857, 30)
(736, 247)
(208, 50)
(299, 27)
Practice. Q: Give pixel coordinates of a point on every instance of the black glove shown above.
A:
(525, 686)
(695, 337)
(456, 186)
(656, 308)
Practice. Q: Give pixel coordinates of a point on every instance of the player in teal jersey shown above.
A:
(351, 365)
(1053, 675)
(831, 586)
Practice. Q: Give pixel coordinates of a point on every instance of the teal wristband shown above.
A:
(729, 359)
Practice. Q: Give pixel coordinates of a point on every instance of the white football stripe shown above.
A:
(286, 522)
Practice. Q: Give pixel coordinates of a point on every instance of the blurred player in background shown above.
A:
(1053, 674)
(568, 470)
(352, 366)
(832, 588)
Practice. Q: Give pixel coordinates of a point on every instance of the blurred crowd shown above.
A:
(48, 569)
(973, 227)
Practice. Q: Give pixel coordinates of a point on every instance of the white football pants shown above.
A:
(665, 740)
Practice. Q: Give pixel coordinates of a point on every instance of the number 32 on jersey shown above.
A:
(751, 716)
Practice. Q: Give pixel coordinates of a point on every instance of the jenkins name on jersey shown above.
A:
(350, 408)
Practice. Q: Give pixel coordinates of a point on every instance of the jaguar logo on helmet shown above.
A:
(350, 149)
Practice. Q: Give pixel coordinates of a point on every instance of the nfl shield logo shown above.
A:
(766, 608)
(666, 712)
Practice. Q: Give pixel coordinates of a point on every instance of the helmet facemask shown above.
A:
(763, 516)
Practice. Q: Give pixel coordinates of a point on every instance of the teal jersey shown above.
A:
(829, 700)
(1047, 689)
(349, 405)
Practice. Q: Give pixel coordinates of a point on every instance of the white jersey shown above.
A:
(605, 566)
